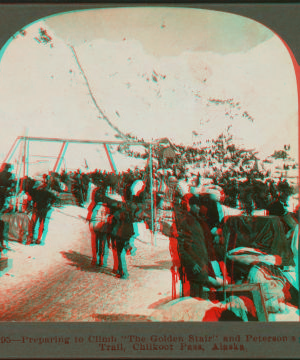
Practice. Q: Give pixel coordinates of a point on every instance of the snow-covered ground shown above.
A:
(56, 282)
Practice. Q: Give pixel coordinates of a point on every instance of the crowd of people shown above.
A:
(28, 198)
(190, 210)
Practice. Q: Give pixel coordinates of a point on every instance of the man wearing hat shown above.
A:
(194, 246)
(120, 227)
(42, 199)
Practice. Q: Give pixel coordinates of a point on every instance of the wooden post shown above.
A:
(27, 158)
(60, 156)
(12, 150)
(19, 171)
(24, 157)
(151, 196)
(110, 159)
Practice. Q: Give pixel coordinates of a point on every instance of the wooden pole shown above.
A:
(12, 150)
(151, 196)
(24, 157)
(60, 156)
(27, 158)
(81, 141)
(110, 158)
(19, 170)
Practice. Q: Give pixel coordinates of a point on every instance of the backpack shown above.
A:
(122, 225)
(100, 218)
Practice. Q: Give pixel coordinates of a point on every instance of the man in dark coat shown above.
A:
(118, 227)
(208, 209)
(100, 214)
(43, 199)
(77, 187)
(7, 182)
(85, 181)
(194, 246)
(100, 228)
(122, 231)
(123, 214)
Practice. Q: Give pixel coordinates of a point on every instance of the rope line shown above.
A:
(91, 93)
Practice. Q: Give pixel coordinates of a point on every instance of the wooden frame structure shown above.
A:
(240, 289)
(65, 142)
(62, 152)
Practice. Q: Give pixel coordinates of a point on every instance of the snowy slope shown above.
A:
(187, 97)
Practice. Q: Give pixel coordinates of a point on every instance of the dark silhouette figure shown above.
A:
(99, 216)
(195, 250)
(7, 182)
(42, 199)
(122, 231)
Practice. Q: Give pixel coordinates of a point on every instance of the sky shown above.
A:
(184, 74)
